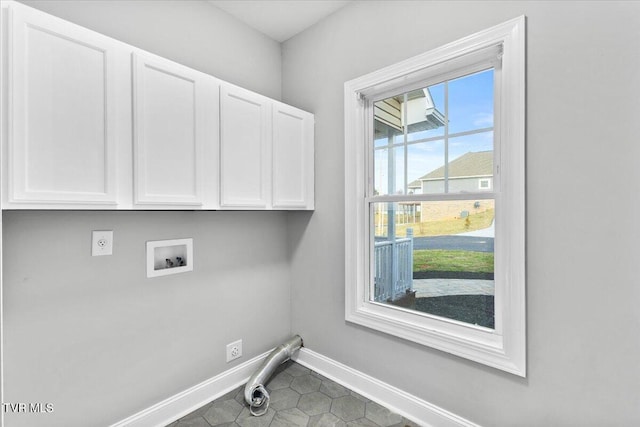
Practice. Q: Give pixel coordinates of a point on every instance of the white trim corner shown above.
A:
(402, 403)
(187, 401)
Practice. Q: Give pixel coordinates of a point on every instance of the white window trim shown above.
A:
(505, 347)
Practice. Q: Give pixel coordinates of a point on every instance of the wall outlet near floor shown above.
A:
(234, 350)
(102, 242)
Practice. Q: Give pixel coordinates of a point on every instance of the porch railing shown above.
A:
(393, 268)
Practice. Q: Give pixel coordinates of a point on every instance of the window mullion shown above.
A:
(446, 136)
(395, 198)
(406, 131)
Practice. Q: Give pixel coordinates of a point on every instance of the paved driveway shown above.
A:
(477, 241)
(443, 287)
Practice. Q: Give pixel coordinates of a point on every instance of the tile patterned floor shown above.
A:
(299, 397)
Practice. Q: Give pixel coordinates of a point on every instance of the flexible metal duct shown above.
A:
(255, 394)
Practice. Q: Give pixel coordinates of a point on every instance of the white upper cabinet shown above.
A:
(293, 184)
(245, 146)
(175, 126)
(266, 153)
(93, 123)
(63, 101)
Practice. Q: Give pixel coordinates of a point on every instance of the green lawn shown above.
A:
(444, 260)
(444, 227)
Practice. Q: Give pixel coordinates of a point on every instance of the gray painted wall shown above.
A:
(94, 336)
(100, 341)
(582, 281)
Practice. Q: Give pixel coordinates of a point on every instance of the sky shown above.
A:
(470, 108)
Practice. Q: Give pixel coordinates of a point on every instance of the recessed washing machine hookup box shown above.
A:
(166, 257)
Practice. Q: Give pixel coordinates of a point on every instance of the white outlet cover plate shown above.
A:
(231, 355)
(102, 242)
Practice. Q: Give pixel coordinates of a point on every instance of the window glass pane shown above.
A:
(380, 212)
(471, 102)
(388, 167)
(425, 113)
(399, 184)
(387, 120)
(436, 258)
(380, 142)
(423, 159)
(407, 119)
(381, 168)
(422, 116)
(470, 163)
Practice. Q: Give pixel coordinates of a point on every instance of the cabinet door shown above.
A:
(245, 148)
(292, 158)
(61, 145)
(171, 110)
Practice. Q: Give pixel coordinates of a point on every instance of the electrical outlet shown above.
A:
(234, 350)
(101, 242)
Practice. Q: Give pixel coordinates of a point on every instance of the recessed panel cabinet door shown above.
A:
(62, 139)
(245, 148)
(292, 158)
(171, 111)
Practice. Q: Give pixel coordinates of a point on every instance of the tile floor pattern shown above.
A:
(299, 397)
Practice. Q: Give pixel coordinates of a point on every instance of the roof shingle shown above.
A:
(468, 165)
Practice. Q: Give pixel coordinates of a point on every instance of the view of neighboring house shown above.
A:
(472, 171)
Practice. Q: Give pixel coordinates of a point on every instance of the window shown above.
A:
(434, 181)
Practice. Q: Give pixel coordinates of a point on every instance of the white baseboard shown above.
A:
(179, 405)
(411, 407)
(420, 411)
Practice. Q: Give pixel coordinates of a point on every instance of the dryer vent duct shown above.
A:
(255, 393)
